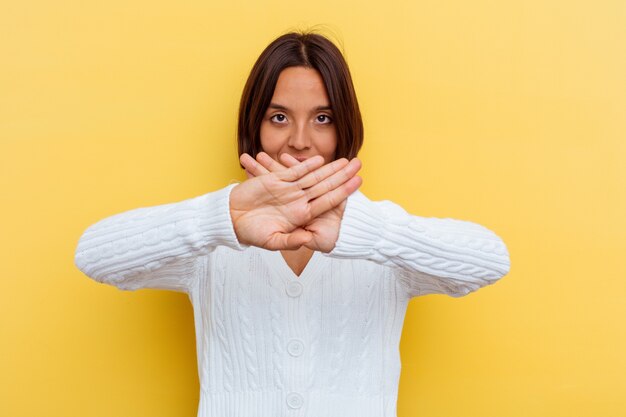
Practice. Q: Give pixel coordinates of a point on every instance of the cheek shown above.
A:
(268, 138)
(329, 144)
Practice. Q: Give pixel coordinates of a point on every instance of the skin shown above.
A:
(292, 124)
(325, 226)
(297, 129)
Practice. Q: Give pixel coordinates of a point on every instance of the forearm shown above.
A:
(140, 241)
(464, 255)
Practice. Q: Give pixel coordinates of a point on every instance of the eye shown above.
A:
(325, 119)
(280, 118)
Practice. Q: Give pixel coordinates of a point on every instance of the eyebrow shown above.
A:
(281, 107)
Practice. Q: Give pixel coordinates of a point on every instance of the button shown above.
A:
(295, 347)
(294, 288)
(295, 400)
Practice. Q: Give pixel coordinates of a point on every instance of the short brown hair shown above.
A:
(310, 50)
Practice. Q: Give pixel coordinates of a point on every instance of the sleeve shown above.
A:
(428, 255)
(159, 246)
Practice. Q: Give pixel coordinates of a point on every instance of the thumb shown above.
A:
(293, 240)
(297, 238)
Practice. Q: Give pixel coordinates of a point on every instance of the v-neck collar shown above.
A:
(279, 265)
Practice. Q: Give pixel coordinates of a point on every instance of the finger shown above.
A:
(333, 181)
(322, 173)
(303, 168)
(288, 160)
(315, 176)
(251, 165)
(333, 198)
(269, 163)
(248, 174)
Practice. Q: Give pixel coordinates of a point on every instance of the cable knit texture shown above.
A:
(271, 343)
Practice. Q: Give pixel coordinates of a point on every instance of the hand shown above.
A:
(269, 208)
(325, 227)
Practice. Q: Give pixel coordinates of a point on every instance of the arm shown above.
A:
(158, 246)
(429, 255)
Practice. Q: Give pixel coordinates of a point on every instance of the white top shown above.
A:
(270, 343)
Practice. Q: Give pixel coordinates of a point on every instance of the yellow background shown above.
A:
(511, 114)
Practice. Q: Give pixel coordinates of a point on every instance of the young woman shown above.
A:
(299, 282)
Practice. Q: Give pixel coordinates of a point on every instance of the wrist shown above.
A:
(234, 215)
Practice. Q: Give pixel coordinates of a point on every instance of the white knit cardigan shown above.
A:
(271, 343)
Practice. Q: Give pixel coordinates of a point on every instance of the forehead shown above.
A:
(300, 83)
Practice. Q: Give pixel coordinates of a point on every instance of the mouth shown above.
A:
(301, 158)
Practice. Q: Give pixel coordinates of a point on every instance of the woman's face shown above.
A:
(299, 120)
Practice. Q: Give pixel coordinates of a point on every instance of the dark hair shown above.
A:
(310, 50)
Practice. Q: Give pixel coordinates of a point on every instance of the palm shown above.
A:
(323, 228)
(267, 209)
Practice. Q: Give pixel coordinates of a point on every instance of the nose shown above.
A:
(300, 138)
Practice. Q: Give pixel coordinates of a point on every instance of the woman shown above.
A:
(299, 282)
